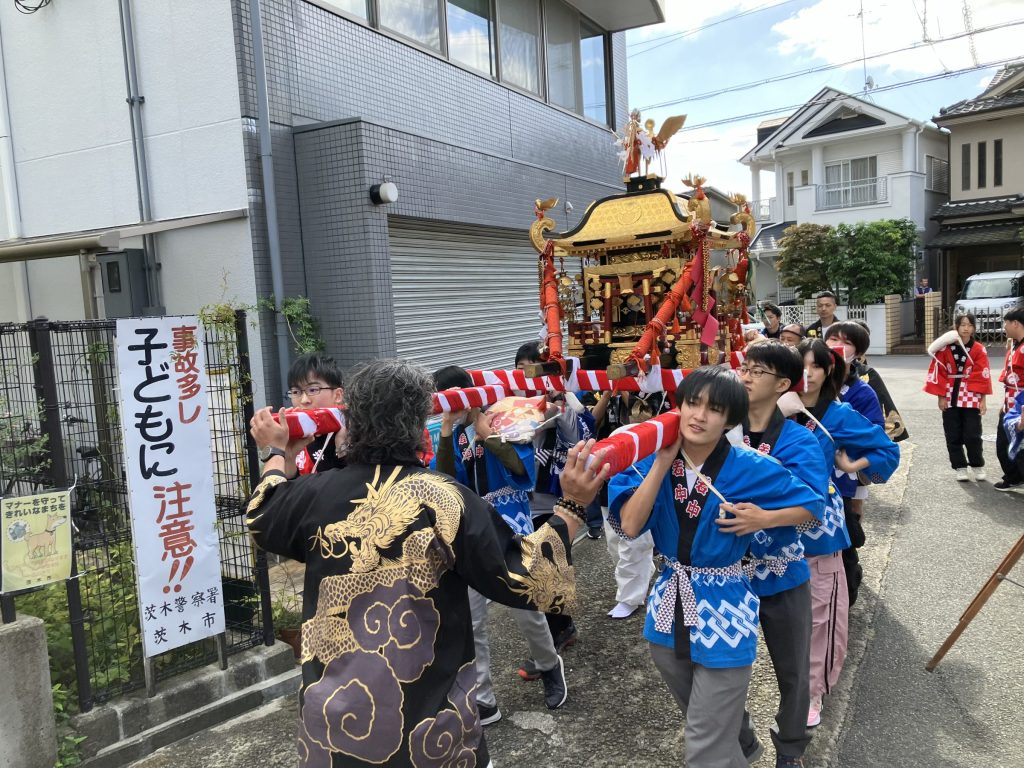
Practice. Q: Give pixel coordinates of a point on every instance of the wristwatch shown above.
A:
(272, 451)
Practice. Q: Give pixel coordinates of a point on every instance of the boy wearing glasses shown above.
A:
(314, 381)
(781, 579)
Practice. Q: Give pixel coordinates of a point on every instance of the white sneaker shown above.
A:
(622, 611)
(814, 713)
(962, 476)
(979, 474)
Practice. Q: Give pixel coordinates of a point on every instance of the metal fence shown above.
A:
(988, 327)
(60, 426)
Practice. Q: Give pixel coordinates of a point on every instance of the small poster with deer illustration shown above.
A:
(36, 545)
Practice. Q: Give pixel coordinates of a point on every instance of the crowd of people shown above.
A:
(750, 517)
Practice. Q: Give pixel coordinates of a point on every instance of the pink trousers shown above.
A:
(830, 613)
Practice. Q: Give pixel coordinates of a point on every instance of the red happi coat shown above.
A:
(1012, 375)
(975, 382)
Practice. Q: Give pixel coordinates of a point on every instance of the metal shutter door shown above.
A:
(462, 295)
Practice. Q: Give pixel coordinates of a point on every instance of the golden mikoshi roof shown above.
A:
(639, 220)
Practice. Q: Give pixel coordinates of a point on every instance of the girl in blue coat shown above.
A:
(852, 444)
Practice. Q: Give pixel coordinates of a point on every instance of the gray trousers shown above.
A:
(712, 701)
(533, 627)
(786, 623)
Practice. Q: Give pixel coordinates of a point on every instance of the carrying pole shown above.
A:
(1001, 572)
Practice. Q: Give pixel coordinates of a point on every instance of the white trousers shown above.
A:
(634, 564)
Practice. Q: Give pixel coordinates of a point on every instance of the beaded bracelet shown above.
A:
(574, 508)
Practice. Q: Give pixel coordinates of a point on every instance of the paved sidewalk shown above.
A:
(932, 542)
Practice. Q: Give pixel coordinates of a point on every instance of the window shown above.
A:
(805, 178)
(982, 164)
(789, 188)
(592, 58)
(519, 36)
(419, 20)
(562, 40)
(471, 34)
(113, 277)
(851, 182)
(352, 7)
(936, 174)
(965, 166)
(997, 163)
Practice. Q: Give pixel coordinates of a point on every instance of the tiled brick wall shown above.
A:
(345, 236)
(461, 147)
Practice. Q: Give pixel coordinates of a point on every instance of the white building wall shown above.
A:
(887, 148)
(1008, 128)
(212, 264)
(71, 127)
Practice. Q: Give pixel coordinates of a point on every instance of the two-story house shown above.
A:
(841, 159)
(381, 157)
(982, 226)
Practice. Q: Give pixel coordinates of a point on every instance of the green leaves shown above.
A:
(867, 259)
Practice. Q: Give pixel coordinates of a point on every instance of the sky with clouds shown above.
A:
(744, 42)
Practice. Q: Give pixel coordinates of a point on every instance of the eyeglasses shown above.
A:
(312, 391)
(754, 373)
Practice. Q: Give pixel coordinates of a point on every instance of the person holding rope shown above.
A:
(703, 501)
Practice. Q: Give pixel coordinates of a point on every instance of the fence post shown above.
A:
(252, 462)
(893, 322)
(932, 318)
(45, 375)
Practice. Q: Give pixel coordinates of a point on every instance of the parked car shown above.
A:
(988, 296)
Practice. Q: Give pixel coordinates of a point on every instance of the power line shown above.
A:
(686, 33)
(824, 68)
(832, 99)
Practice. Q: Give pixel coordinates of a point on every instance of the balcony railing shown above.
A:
(850, 194)
(763, 210)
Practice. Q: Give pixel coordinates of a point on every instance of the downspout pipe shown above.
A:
(11, 202)
(135, 101)
(269, 192)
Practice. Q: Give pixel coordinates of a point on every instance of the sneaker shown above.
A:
(814, 713)
(622, 611)
(961, 475)
(594, 532)
(754, 751)
(1002, 485)
(555, 689)
(488, 715)
(529, 671)
(788, 761)
(566, 638)
(979, 474)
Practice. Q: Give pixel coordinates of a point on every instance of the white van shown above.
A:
(988, 296)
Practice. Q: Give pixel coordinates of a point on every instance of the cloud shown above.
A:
(829, 31)
(714, 154)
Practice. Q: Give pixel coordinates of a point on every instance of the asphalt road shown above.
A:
(932, 543)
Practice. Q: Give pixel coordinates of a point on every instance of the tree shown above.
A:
(807, 258)
(868, 260)
(877, 258)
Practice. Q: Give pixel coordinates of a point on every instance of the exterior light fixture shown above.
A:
(382, 194)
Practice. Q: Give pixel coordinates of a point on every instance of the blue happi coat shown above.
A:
(726, 631)
(860, 439)
(799, 452)
(859, 395)
(508, 492)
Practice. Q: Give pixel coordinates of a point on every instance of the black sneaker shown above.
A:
(555, 688)
(1002, 485)
(594, 532)
(566, 638)
(788, 761)
(488, 715)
